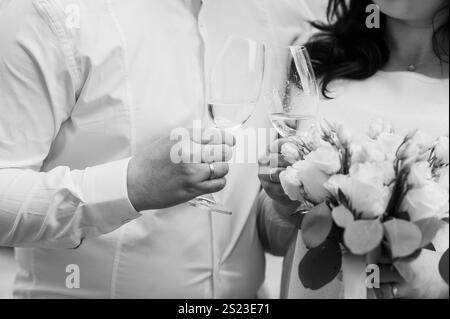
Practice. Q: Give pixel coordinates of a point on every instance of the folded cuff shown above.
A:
(108, 203)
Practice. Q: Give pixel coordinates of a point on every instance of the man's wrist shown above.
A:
(134, 188)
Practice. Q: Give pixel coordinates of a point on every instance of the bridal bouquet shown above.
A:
(385, 197)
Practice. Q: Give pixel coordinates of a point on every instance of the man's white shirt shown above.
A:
(83, 86)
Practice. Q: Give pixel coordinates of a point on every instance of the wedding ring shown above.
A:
(212, 171)
(272, 170)
(394, 291)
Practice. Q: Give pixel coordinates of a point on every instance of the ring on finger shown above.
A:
(394, 291)
(272, 171)
(212, 171)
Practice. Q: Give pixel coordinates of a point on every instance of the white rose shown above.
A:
(290, 153)
(367, 172)
(420, 174)
(367, 152)
(441, 150)
(444, 178)
(334, 183)
(418, 144)
(291, 184)
(387, 171)
(389, 144)
(426, 202)
(365, 190)
(326, 159)
(312, 178)
(344, 136)
(327, 127)
(313, 138)
(377, 127)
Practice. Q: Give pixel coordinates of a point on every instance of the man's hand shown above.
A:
(157, 179)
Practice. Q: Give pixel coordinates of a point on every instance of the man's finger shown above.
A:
(215, 136)
(212, 186)
(216, 153)
(220, 170)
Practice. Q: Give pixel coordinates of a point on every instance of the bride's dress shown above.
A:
(409, 101)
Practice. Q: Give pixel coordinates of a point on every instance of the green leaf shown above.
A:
(316, 225)
(404, 238)
(320, 265)
(429, 228)
(363, 236)
(342, 216)
(444, 267)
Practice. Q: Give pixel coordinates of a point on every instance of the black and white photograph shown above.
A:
(246, 151)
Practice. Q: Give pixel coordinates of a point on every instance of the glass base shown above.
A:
(208, 202)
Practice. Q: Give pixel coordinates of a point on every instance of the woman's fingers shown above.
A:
(386, 291)
(275, 191)
(273, 160)
(391, 283)
(275, 147)
(388, 274)
(270, 174)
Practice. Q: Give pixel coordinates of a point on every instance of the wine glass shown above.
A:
(234, 88)
(293, 92)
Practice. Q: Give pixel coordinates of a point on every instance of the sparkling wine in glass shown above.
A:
(293, 93)
(234, 88)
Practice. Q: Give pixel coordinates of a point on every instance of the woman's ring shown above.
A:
(273, 170)
(394, 291)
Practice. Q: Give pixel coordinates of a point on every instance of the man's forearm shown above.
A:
(60, 208)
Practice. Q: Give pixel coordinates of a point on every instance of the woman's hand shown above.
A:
(416, 279)
(270, 167)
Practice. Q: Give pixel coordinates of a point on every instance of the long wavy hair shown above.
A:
(345, 48)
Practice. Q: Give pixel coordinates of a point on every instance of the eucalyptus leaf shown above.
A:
(404, 238)
(444, 267)
(317, 225)
(429, 228)
(320, 265)
(363, 236)
(342, 216)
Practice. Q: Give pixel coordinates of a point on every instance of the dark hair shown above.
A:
(345, 48)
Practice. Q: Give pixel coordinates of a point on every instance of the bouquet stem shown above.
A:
(354, 276)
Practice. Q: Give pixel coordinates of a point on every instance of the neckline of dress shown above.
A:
(413, 75)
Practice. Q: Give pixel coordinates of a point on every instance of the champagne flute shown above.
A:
(293, 91)
(233, 90)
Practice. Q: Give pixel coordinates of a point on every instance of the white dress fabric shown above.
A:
(409, 101)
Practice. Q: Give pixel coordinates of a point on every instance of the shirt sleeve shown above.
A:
(38, 88)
